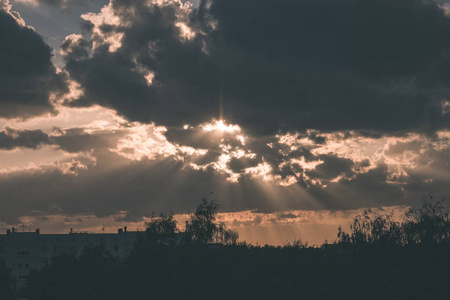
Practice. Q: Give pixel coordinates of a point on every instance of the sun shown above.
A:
(221, 126)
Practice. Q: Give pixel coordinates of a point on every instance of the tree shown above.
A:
(202, 227)
(374, 229)
(428, 225)
(163, 226)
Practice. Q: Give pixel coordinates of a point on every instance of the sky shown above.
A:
(294, 115)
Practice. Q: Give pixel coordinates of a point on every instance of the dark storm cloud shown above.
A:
(136, 187)
(376, 65)
(110, 184)
(64, 4)
(76, 140)
(162, 186)
(75, 49)
(433, 175)
(237, 165)
(364, 190)
(12, 138)
(195, 137)
(332, 167)
(27, 75)
(286, 216)
(67, 4)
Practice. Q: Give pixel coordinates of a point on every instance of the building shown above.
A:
(25, 251)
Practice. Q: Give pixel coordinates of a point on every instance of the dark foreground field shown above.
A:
(240, 272)
(377, 259)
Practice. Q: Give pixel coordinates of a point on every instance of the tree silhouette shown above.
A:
(202, 227)
(427, 225)
(163, 225)
(379, 258)
(373, 229)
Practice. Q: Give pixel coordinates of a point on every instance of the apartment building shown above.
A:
(25, 251)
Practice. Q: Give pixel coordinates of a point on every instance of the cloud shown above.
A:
(76, 140)
(282, 216)
(73, 140)
(74, 46)
(112, 184)
(64, 5)
(12, 138)
(130, 169)
(331, 167)
(29, 81)
(327, 105)
(377, 66)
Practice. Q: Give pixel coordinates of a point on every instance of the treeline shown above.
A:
(426, 226)
(201, 228)
(379, 258)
